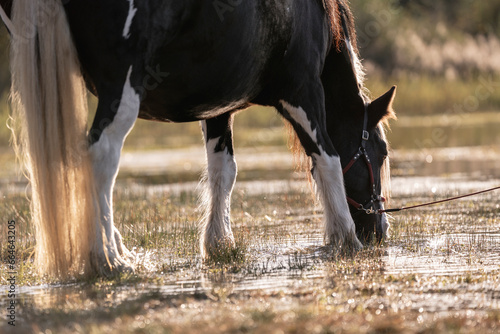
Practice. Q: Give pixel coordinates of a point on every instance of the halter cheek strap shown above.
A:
(368, 206)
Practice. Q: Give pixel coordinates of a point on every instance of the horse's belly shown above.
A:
(188, 84)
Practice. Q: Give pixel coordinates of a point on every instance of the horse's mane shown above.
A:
(341, 22)
(333, 13)
(343, 32)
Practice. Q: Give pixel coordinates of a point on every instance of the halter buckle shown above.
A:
(366, 135)
(368, 211)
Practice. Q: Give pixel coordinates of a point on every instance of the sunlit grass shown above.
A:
(359, 292)
(165, 226)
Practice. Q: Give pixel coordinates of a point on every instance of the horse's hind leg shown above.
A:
(220, 177)
(305, 110)
(116, 114)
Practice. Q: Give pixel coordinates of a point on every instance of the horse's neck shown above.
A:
(341, 84)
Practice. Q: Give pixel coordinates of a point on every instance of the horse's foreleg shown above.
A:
(220, 177)
(306, 114)
(115, 117)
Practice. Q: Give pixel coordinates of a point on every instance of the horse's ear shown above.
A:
(381, 108)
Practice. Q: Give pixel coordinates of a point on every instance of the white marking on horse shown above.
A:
(130, 17)
(329, 180)
(300, 117)
(220, 178)
(327, 174)
(384, 222)
(106, 156)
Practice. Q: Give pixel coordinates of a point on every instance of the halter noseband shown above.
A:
(368, 206)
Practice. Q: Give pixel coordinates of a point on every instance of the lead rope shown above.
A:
(437, 202)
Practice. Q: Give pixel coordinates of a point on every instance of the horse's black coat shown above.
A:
(260, 52)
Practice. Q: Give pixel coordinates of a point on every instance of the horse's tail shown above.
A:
(49, 125)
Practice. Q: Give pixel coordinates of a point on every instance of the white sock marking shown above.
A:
(221, 175)
(106, 156)
(339, 225)
(330, 183)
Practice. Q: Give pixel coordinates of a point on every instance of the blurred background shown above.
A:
(444, 55)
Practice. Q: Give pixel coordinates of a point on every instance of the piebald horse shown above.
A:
(182, 61)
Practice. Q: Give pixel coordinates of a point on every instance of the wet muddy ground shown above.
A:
(439, 271)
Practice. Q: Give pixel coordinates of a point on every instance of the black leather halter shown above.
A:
(368, 206)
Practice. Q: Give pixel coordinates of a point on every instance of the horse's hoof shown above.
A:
(111, 266)
(350, 244)
(122, 250)
(212, 244)
(225, 251)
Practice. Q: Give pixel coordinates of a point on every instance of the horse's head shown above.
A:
(363, 150)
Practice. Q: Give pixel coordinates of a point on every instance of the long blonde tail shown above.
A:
(49, 125)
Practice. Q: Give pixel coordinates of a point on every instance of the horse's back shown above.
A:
(196, 59)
